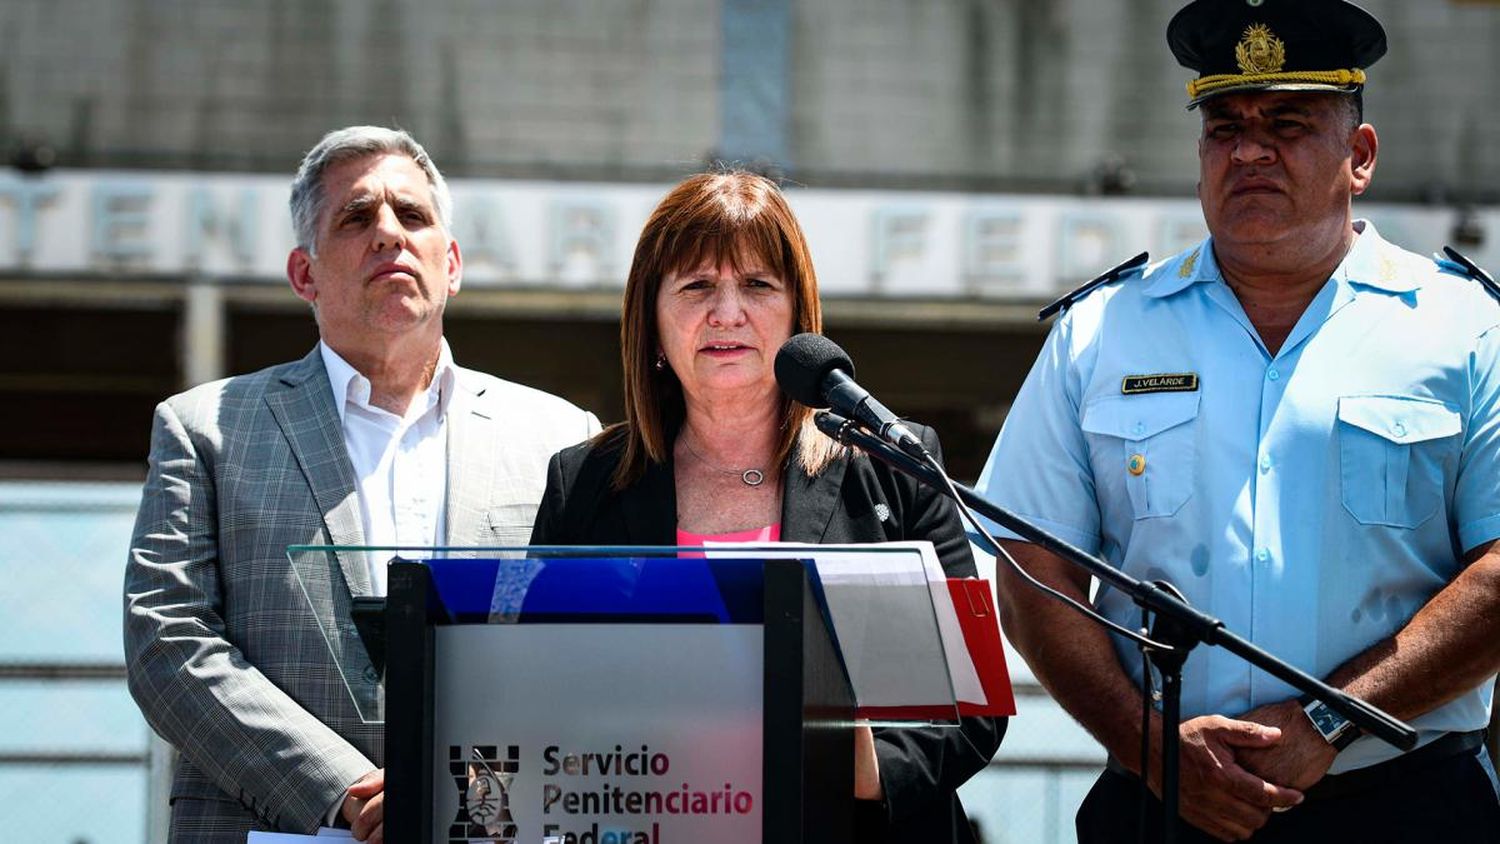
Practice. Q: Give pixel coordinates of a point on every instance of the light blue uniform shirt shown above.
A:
(1313, 499)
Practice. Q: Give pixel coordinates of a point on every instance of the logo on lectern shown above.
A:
(483, 778)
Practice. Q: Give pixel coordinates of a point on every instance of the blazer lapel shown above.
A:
(303, 408)
(650, 509)
(807, 502)
(473, 442)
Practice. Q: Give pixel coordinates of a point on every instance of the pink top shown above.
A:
(769, 533)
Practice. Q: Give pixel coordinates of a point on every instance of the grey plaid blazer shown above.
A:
(224, 653)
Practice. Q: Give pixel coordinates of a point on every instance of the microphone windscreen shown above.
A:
(802, 364)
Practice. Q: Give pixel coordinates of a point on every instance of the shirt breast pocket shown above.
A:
(1150, 442)
(1393, 451)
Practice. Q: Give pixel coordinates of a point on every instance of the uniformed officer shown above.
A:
(1297, 423)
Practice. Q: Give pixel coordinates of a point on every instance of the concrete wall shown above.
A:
(1038, 93)
(225, 84)
(998, 94)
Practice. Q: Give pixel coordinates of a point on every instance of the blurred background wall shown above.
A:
(1003, 95)
(957, 163)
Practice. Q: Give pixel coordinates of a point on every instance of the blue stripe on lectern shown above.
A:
(598, 589)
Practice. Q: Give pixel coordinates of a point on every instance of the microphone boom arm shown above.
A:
(1192, 623)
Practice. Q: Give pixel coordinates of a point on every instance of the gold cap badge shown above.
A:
(1260, 51)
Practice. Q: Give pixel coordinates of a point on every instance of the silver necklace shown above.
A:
(749, 477)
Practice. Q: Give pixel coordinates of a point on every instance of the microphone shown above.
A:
(814, 371)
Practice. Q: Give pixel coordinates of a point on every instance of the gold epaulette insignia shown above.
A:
(1387, 269)
(1189, 263)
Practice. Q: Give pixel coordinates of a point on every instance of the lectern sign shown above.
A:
(569, 763)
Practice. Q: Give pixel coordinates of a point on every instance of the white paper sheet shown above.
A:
(881, 673)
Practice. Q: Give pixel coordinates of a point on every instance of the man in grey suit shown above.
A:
(374, 438)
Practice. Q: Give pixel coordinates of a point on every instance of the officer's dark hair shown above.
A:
(1353, 107)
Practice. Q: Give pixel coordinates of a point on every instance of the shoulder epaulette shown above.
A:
(1457, 264)
(1132, 267)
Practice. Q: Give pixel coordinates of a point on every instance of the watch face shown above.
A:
(1326, 720)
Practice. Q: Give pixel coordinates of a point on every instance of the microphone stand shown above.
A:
(1176, 623)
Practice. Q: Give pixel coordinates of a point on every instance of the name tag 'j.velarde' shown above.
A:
(1166, 382)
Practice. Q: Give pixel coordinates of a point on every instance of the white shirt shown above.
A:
(400, 462)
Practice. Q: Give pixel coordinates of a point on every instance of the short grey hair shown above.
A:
(347, 144)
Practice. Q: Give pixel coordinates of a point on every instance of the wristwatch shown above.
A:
(1333, 727)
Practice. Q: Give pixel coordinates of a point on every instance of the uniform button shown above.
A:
(371, 675)
(1136, 464)
(1274, 374)
(1140, 428)
(1262, 555)
(1400, 429)
(1265, 463)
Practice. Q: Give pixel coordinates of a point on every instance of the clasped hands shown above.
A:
(364, 808)
(1235, 772)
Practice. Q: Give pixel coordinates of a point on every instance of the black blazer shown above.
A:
(920, 769)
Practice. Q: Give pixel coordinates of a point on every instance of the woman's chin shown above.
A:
(733, 380)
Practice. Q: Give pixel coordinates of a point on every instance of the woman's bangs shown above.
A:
(749, 244)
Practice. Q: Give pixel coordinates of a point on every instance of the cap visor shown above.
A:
(1277, 86)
